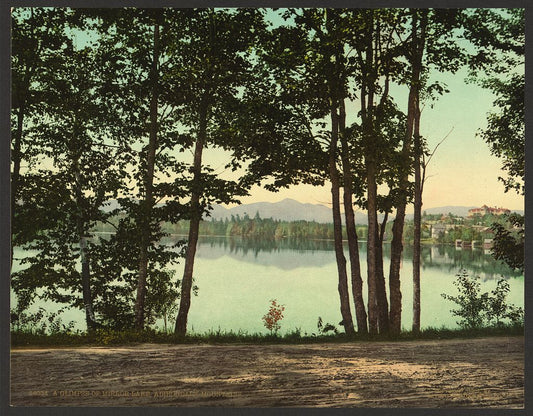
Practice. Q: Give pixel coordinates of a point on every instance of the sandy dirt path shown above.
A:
(486, 372)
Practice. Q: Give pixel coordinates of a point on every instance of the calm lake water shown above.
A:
(238, 277)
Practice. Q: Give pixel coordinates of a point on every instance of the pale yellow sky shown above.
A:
(456, 176)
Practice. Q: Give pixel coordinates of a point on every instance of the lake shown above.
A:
(238, 277)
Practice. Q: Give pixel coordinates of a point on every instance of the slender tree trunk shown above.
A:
(147, 204)
(353, 246)
(141, 283)
(395, 316)
(381, 292)
(417, 222)
(86, 285)
(367, 110)
(337, 227)
(418, 190)
(15, 176)
(372, 245)
(397, 230)
(196, 216)
(382, 227)
(84, 255)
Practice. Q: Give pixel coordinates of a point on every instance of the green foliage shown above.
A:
(40, 322)
(472, 304)
(37, 37)
(264, 228)
(505, 133)
(500, 39)
(508, 243)
(87, 157)
(115, 277)
(477, 309)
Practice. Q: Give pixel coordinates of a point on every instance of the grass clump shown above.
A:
(105, 337)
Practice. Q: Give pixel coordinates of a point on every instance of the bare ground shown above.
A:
(486, 372)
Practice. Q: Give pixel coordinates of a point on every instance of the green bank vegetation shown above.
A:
(467, 229)
(110, 337)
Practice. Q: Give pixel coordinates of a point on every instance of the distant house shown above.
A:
(484, 210)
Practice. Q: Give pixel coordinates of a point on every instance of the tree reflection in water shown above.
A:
(445, 258)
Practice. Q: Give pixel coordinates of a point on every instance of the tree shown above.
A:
(351, 231)
(500, 39)
(320, 74)
(508, 244)
(335, 71)
(368, 88)
(148, 180)
(301, 64)
(350, 155)
(417, 150)
(69, 182)
(378, 48)
(99, 108)
(137, 46)
(222, 40)
(505, 132)
(432, 45)
(37, 36)
(415, 53)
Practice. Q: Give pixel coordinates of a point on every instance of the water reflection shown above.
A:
(450, 259)
(281, 254)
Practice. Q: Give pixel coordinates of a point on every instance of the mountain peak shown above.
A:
(287, 209)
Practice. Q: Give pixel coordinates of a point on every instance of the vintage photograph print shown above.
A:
(254, 207)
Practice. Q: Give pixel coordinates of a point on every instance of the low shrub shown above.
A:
(478, 309)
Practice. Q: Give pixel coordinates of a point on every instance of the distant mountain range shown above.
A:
(457, 210)
(449, 209)
(286, 210)
(291, 210)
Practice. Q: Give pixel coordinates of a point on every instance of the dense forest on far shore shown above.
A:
(268, 228)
